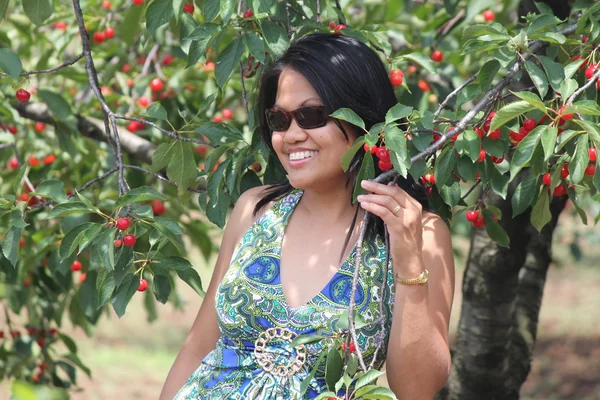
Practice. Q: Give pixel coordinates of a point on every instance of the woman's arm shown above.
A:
(203, 335)
(418, 357)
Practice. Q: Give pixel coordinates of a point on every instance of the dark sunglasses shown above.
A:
(308, 117)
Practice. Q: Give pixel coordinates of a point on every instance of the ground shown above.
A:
(130, 358)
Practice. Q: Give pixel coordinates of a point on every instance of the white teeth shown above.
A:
(301, 155)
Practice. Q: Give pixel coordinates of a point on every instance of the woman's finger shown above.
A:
(386, 201)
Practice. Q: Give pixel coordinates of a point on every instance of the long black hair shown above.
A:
(345, 73)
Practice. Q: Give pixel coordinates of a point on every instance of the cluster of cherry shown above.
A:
(383, 153)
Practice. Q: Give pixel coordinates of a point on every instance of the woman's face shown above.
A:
(315, 153)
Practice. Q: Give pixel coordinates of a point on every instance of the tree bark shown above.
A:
(502, 295)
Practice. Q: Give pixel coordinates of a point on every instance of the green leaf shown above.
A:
(124, 293)
(421, 59)
(275, 37)
(333, 367)
(191, 277)
(131, 24)
(138, 195)
(226, 9)
(586, 107)
(3, 8)
(71, 240)
(56, 103)
(256, 46)
(532, 99)
(37, 10)
(351, 152)
(477, 30)
(580, 160)
(178, 157)
(525, 150)
(470, 143)
(9, 61)
(396, 142)
(157, 111)
(103, 249)
(105, 286)
(397, 112)
(346, 114)
(159, 12)
(568, 87)
(89, 235)
(211, 9)
(538, 77)
(22, 390)
(219, 133)
(555, 72)
(540, 214)
(176, 263)
(306, 339)
(75, 360)
(53, 190)
(68, 209)
(228, 61)
(444, 166)
(548, 138)
(523, 196)
(367, 171)
(593, 131)
(509, 112)
(494, 230)
(450, 194)
(572, 68)
(219, 203)
(201, 36)
(542, 22)
(161, 287)
(10, 244)
(487, 73)
(369, 376)
(70, 343)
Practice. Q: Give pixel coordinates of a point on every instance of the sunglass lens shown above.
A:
(278, 120)
(310, 117)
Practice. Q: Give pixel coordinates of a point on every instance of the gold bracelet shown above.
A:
(420, 280)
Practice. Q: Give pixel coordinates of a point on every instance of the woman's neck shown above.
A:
(331, 205)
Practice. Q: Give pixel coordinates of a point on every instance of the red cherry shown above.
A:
(106, 5)
(227, 113)
(82, 277)
(49, 159)
(424, 86)
(23, 95)
(495, 134)
(201, 149)
(430, 178)
(118, 243)
(98, 37)
(489, 15)
(41, 342)
(132, 126)
(384, 165)
(560, 190)
(217, 118)
(129, 240)
(13, 163)
(158, 208)
(479, 132)
(12, 129)
(437, 56)
(515, 137)
(22, 242)
(529, 124)
(411, 69)
(143, 102)
(374, 149)
(589, 72)
(471, 216)
(546, 179)
(167, 59)
(249, 14)
(492, 115)
(188, 8)
(60, 25)
(332, 24)
(367, 148)
(138, 2)
(564, 171)
(109, 33)
(479, 222)
(76, 266)
(590, 170)
(256, 167)
(486, 126)
(482, 155)
(123, 223)
(339, 27)
(383, 154)
(396, 77)
(156, 85)
(497, 160)
(33, 161)
(126, 68)
(585, 38)
(592, 154)
(598, 84)
(564, 117)
(143, 285)
(39, 126)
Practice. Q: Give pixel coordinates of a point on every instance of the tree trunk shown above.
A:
(502, 296)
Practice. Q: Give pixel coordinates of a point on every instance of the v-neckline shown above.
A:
(286, 218)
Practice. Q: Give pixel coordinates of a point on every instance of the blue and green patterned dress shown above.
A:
(250, 300)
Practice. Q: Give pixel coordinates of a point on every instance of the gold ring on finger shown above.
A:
(396, 209)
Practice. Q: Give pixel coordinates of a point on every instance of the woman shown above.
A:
(279, 262)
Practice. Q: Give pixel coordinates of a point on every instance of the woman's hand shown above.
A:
(402, 215)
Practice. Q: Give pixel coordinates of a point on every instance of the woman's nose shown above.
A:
(294, 133)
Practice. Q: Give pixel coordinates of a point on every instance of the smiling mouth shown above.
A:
(302, 155)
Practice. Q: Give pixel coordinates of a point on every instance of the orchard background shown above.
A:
(128, 129)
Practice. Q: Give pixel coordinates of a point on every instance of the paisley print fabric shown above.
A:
(250, 300)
